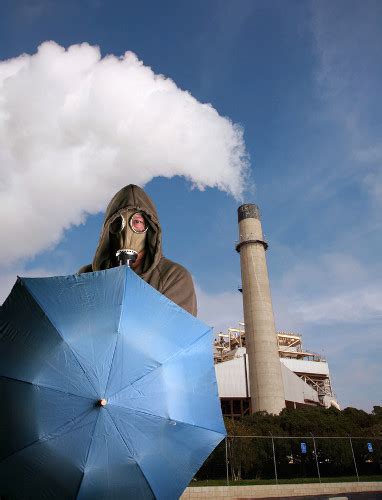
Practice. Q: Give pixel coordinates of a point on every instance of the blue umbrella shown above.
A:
(107, 390)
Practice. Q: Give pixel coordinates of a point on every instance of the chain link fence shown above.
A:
(275, 458)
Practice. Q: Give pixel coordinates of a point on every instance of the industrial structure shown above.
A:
(264, 366)
(305, 374)
(257, 369)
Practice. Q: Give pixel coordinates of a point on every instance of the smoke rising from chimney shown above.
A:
(76, 127)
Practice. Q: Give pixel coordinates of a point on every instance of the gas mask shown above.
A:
(127, 230)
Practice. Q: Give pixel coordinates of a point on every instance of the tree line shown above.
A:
(300, 441)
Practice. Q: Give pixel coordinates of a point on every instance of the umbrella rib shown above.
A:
(132, 454)
(60, 334)
(123, 439)
(87, 456)
(133, 410)
(118, 330)
(177, 353)
(46, 387)
(44, 438)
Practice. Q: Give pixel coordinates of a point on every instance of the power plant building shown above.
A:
(256, 368)
(305, 374)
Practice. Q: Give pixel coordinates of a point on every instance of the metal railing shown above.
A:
(278, 458)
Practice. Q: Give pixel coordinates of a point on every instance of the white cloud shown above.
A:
(335, 302)
(220, 310)
(334, 288)
(9, 277)
(358, 306)
(328, 271)
(74, 128)
(370, 155)
(287, 316)
(348, 36)
(357, 380)
(339, 302)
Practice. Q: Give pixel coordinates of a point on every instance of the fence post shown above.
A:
(226, 459)
(274, 457)
(355, 463)
(315, 454)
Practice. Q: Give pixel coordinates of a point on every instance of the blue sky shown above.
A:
(303, 81)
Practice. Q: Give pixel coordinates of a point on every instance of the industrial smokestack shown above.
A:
(267, 390)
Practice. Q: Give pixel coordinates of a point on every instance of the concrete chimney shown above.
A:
(267, 390)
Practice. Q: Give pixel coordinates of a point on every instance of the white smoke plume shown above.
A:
(75, 127)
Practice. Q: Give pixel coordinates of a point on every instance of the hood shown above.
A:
(132, 197)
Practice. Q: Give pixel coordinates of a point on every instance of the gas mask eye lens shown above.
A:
(138, 223)
(117, 225)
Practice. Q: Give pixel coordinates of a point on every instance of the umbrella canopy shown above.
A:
(107, 390)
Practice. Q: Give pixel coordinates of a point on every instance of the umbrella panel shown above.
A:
(165, 450)
(52, 467)
(31, 413)
(86, 317)
(180, 389)
(32, 350)
(152, 329)
(110, 466)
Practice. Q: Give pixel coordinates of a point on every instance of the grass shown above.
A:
(297, 480)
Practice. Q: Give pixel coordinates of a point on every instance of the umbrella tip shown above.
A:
(102, 402)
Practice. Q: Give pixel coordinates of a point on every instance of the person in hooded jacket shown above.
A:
(131, 223)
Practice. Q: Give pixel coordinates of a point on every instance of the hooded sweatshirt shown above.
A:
(168, 277)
